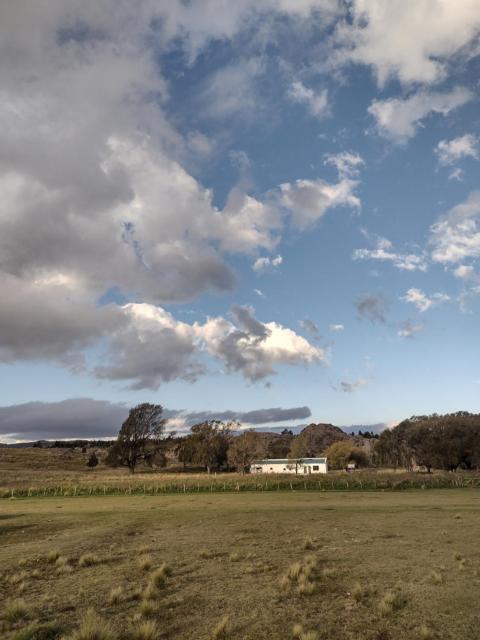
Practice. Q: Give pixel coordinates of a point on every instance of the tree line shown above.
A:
(443, 442)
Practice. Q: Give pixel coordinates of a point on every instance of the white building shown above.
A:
(290, 465)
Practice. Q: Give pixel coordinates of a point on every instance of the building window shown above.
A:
(316, 467)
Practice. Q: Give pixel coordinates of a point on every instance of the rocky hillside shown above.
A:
(315, 438)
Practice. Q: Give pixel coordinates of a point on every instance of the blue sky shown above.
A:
(238, 207)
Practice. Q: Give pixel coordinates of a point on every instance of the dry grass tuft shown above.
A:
(93, 628)
(436, 577)
(159, 577)
(308, 544)
(425, 633)
(145, 631)
(222, 629)
(88, 560)
(16, 578)
(16, 610)
(391, 601)
(148, 608)
(145, 562)
(116, 595)
(359, 592)
(235, 557)
(53, 555)
(297, 631)
(302, 575)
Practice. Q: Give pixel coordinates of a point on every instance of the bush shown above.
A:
(92, 460)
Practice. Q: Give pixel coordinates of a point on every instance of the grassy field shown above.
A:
(37, 472)
(373, 566)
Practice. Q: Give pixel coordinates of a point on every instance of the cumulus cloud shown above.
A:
(309, 200)
(398, 119)
(373, 307)
(316, 102)
(266, 263)
(422, 301)
(384, 252)
(153, 347)
(464, 272)
(253, 348)
(451, 151)
(408, 329)
(409, 40)
(455, 237)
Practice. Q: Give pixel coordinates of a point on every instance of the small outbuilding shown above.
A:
(290, 465)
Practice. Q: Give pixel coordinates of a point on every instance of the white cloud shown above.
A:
(309, 200)
(266, 263)
(464, 272)
(337, 328)
(422, 301)
(347, 163)
(153, 347)
(398, 119)
(317, 103)
(385, 253)
(456, 235)
(407, 39)
(451, 151)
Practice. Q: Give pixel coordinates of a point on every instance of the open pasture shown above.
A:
(306, 565)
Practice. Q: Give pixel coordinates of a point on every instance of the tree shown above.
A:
(339, 454)
(92, 460)
(207, 444)
(243, 450)
(140, 438)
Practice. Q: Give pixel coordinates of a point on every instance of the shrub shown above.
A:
(222, 629)
(16, 610)
(92, 460)
(93, 628)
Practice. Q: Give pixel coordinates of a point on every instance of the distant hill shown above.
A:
(315, 438)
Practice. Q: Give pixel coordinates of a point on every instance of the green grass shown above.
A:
(369, 548)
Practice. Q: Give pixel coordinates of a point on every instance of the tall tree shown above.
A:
(140, 438)
(207, 445)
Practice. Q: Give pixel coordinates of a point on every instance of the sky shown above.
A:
(261, 211)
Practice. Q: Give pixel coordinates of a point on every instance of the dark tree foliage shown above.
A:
(207, 445)
(450, 442)
(92, 460)
(140, 438)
